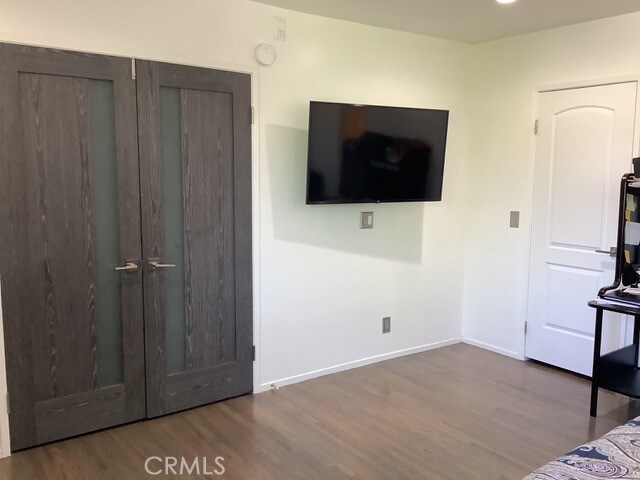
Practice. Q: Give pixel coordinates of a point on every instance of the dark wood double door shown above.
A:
(125, 239)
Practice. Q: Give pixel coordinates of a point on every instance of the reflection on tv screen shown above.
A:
(361, 154)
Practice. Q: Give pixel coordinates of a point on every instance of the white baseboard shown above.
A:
(356, 363)
(493, 348)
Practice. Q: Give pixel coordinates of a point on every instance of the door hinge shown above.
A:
(133, 69)
(525, 327)
(253, 353)
(253, 115)
(535, 127)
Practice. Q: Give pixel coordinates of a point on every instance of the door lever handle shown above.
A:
(155, 263)
(613, 251)
(131, 266)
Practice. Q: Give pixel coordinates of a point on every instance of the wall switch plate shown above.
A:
(366, 220)
(386, 324)
(280, 28)
(514, 220)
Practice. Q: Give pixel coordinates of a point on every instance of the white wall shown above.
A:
(322, 285)
(499, 170)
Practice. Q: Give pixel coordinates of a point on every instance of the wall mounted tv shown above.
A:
(372, 154)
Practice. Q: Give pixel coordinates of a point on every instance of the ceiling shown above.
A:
(470, 21)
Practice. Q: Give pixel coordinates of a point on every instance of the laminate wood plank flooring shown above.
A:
(458, 412)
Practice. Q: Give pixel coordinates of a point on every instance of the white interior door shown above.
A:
(584, 146)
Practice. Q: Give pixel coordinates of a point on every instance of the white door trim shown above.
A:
(5, 446)
(535, 95)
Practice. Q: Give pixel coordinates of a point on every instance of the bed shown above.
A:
(615, 455)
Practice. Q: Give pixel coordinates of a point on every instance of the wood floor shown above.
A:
(455, 413)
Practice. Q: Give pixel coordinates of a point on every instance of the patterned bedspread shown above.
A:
(616, 455)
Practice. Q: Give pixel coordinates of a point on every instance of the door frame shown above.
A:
(256, 154)
(626, 332)
(5, 443)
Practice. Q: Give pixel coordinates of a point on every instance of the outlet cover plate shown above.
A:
(386, 325)
(514, 219)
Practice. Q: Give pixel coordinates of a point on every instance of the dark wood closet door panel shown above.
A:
(206, 385)
(75, 414)
(207, 155)
(62, 62)
(69, 199)
(13, 256)
(196, 216)
(198, 78)
(243, 228)
(148, 94)
(130, 238)
(61, 243)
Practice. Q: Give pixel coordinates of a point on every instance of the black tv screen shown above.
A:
(372, 154)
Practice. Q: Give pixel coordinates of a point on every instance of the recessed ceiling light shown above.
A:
(505, 1)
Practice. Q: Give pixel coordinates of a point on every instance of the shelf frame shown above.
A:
(616, 371)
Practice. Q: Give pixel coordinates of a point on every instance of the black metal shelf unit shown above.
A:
(618, 371)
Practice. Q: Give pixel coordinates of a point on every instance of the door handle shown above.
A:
(613, 251)
(155, 263)
(130, 266)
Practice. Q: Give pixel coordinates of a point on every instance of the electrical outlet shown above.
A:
(386, 324)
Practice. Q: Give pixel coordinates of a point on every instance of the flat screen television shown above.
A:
(373, 154)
